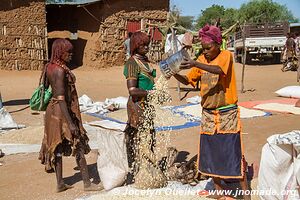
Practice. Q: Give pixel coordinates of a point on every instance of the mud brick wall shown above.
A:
(23, 42)
(110, 47)
(102, 28)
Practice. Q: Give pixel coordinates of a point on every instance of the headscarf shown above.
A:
(210, 34)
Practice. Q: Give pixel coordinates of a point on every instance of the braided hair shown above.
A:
(59, 46)
(136, 40)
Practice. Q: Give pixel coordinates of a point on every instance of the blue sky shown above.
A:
(194, 7)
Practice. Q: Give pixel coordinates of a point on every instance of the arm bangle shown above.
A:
(60, 98)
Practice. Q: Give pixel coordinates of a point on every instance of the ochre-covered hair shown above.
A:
(60, 46)
(138, 39)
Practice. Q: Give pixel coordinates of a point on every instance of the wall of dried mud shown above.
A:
(26, 33)
(109, 48)
(102, 28)
(23, 43)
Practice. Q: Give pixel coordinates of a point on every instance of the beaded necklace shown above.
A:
(138, 58)
(63, 65)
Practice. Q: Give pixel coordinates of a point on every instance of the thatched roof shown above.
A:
(70, 2)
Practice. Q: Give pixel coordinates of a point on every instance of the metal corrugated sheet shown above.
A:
(70, 2)
(133, 26)
(156, 35)
(294, 24)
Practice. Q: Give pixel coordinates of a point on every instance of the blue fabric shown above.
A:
(192, 120)
(175, 109)
(220, 154)
(160, 128)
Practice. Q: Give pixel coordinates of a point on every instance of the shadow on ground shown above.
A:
(16, 102)
(93, 172)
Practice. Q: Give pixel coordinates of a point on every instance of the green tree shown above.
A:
(229, 18)
(185, 21)
(260, 11)
(210, 15)
(256, 11)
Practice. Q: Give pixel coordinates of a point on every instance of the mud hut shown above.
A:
(97, 29)
(23, 34)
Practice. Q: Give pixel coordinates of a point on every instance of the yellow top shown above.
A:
(216, 90)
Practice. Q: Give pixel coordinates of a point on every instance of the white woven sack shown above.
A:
(289, 91)
(112, 162)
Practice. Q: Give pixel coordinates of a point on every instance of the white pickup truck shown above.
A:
(262, 42)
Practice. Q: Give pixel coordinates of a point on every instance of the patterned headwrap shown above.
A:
(210, 34)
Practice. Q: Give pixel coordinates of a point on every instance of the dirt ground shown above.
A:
(23, 177)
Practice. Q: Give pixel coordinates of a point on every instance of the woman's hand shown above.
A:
(187, 64)
(74, 129)
(151, 92)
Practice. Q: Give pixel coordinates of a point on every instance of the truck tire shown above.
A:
(248, 58)
(238, 59)
(276, 58)
(238, 56)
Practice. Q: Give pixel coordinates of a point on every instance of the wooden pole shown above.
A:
(1, 105)
(143, 25)
(244, 59)
(174, 50)
(46, 43)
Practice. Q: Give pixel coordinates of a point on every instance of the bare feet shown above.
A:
(94, 187)
(297, 103)
(253, 170)
(63, 187)
(1, 153)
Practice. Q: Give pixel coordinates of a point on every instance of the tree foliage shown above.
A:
(257, 11)
(261, 11)
(229, 18)
(184, 21)
(210, 15)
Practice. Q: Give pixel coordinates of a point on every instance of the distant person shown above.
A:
(1, 104)
(224, 43)
(289, 49)
(297, 42)
(127, 45)
(288, 54)
(1, 155)
(221, 154)
(64, 133)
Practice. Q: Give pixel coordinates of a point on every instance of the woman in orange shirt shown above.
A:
(221, 151)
